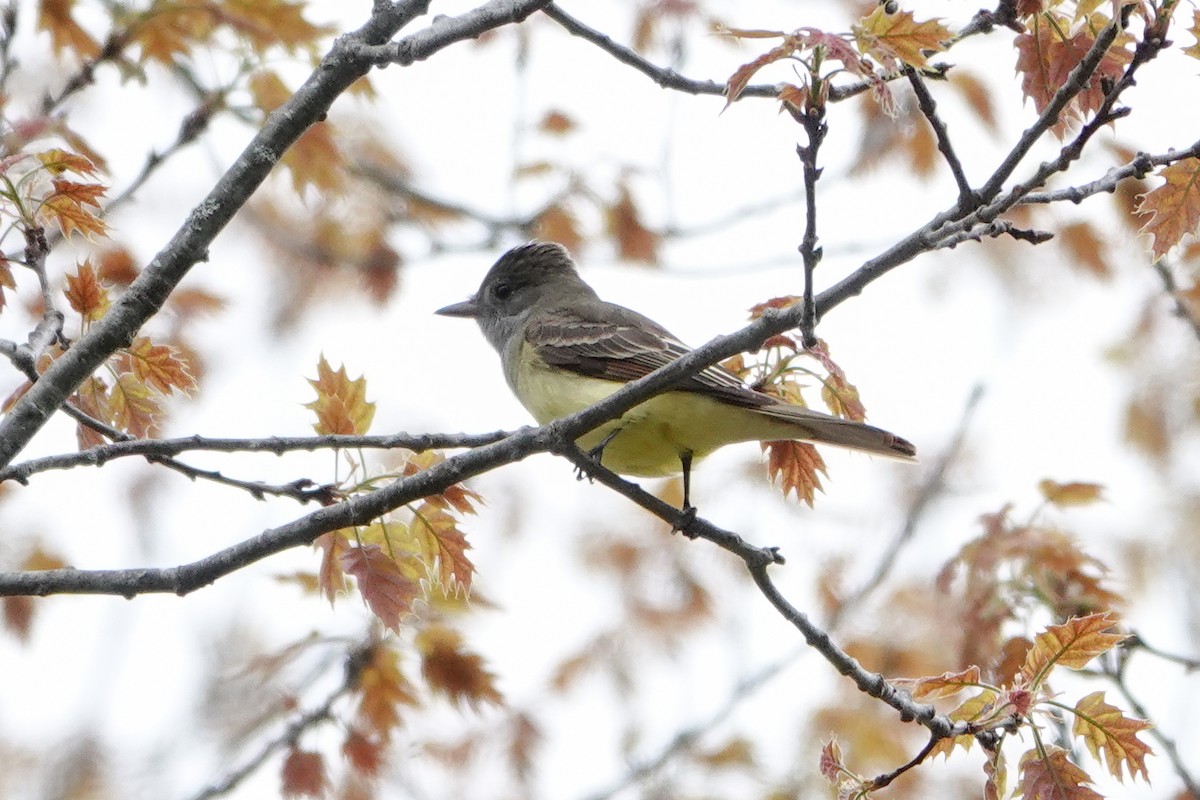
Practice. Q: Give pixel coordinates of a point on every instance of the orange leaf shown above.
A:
(303, 774)
(898, 37)
(57, 161)
(330, 578)
(71, 216)
(365, 754)
(1088, 251)
(1194, 50)
(738, 81)
(1174, 207)
(635, 242)
(341, 405)
(443, 547)
(387, 591)
(454, 671)
(1072, 645)
(979, 709)
(456, 496)
(92, 399)
(557, 123)
(134, 408)
(797, 466)
(1053, 777)
(1046, 54)
(382, 689)
(1107, 731)
(947, 684)
(86, 294)
(1070, 494)
(55, 17)
(159, 366)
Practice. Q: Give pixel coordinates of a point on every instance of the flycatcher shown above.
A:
(564, 349)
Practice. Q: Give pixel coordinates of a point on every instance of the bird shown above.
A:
(563, 349)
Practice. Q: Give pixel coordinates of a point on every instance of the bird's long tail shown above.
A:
(821, 428)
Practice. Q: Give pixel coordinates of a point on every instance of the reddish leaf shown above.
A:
(382, 689)
(86, 294)
(449, 668)
(947, 684)
(387, 591)
(303, 774)
(634, 241)
(92, 399)
(797, 466)
(1173, 209)
(1053, 777)
(363, 753)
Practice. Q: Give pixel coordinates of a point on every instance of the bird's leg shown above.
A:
(688, 512)
(596, 453)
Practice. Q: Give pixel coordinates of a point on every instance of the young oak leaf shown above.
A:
(384, 586)
(331, 579)
(303, 774)
(1173, 209)
(1046, 54)
(797, 466)
(159, 366)
(947, 684)
(1052, 777)
(1194, 49)
(341, 405)
(443, 547)
(980, 709)
(66, 209)
(898, 38)
(135, 409)
(86, 294)
(1064, 495)
(1072, 645)
(363, 753)
(1108, 732)
(456, 496)
(57, 162)
(92, 399)
(382, 688)
(839, 394)
(449, 668)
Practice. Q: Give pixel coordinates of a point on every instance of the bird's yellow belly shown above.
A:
(652, 435)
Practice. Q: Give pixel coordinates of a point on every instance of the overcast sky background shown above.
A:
(916, 343)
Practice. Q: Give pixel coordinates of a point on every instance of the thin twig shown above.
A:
(967, 198)
(670, 79)
(1182, 309)
(154, 449)
(355, 661)
(812, 119)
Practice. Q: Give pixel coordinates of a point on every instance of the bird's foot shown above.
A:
(687, 515)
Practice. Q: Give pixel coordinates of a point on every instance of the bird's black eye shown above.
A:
(502, 291)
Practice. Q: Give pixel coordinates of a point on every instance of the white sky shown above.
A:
(915, 343)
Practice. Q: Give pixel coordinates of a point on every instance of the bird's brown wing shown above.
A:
(614, 343)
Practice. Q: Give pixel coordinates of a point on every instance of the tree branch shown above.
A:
(347, 60)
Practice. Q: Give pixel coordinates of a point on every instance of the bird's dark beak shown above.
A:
(467, 308)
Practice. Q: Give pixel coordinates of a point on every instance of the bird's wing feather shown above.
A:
(615, 343)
